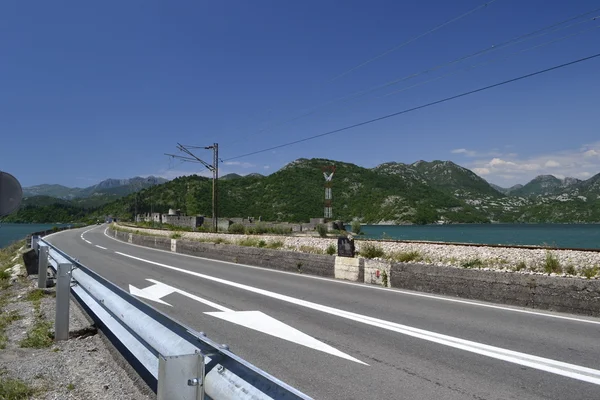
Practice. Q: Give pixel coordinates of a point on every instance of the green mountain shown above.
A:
(545, 185)
(422, 192)
(507, 191)
(58, 191)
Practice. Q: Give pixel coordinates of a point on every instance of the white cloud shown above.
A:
(469, 153)
(510, 169)
(481, 171)
(267, 167)
(239, 164)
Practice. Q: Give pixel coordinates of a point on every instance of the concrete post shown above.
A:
(42, 266)
(63, 297)
(181, 375)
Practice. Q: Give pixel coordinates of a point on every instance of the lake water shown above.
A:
(12, 232)
(575, 235)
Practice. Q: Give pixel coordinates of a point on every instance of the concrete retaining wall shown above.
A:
(570, 295)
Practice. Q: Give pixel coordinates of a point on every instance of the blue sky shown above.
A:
(92, 90)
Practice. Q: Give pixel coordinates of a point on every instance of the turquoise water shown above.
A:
(12, 232)
(575, 235)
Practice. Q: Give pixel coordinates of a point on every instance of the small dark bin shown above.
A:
(30, 259)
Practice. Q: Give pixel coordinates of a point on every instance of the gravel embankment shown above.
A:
(570, 262)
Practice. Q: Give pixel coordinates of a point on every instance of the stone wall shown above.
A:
(572, 295)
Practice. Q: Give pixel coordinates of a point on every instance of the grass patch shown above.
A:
(38, 336)
(474, 263)
(331, 249)
(35, 295)
(311, 250)
(551, 264)
(278, 244)
(248, 242)
(570, 270)
(406, 256)
(589, 272)
(521, 265)
(70, 387)
(14, 389)
(220, 241)
(176, 236)
(237, 229)
(369, 250)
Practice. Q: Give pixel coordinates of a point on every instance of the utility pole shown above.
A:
(214, 168)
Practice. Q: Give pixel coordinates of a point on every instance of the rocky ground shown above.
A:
(568, 263)
(33, 366)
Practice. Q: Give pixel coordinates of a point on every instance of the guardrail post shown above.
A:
(34, 242)
(183, 375)
(42, 266)
(63, 299)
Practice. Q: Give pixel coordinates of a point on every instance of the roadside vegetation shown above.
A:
(39, 335)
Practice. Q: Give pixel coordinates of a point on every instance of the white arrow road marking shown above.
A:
(154, 292)
(544, 364)
(250, 319)
(191, 296)
(263, 323)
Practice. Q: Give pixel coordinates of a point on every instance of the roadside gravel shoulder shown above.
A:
(84, 367)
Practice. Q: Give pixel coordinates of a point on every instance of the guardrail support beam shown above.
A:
(181, 375)
(42, 266)
(63, 300)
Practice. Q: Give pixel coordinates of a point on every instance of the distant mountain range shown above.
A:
(391, 193)
(110, 187)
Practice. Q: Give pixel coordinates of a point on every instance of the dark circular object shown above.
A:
(11, 193)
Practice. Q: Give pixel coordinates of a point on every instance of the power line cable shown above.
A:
(418, 107)
(409, 41)
(516, 40)
(493, 60)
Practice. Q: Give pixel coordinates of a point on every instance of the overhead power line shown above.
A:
(552, 28)
(409, 41)
(406, 111)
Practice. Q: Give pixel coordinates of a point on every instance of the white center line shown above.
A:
(544, 364)
(100, 247)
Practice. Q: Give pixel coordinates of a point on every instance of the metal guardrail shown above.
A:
(173, 359)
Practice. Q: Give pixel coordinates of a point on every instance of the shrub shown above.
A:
(331, 249)
(356, 227)
(406, 256)
(369, 250)
(551, 264)
(322, 229)
(262, 243)
(238, 229)
(475, 263)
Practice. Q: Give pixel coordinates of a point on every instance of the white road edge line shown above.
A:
(87, 241)
(100, 247)
(372, 287)
(544, 364)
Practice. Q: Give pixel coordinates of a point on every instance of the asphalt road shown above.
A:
(372, 342)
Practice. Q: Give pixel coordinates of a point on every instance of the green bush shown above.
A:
(356, 227)
(322, 229)
(238, 229)
(262, 243)
(552, 264)
(331, 249)
(369, 250)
